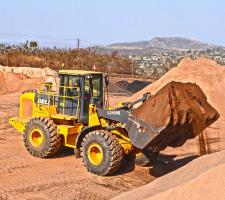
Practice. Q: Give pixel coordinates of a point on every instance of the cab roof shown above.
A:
(78, 72)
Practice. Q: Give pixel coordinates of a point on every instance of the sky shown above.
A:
(108, 21)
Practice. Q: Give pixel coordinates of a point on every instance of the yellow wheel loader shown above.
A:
(77, 115)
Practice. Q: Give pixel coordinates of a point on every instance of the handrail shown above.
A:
(46, 88)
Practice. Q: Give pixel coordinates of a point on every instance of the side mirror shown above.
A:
(106, 80)
(48, 86)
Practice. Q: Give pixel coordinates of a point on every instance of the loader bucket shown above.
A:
(176, 113)
(139, 132)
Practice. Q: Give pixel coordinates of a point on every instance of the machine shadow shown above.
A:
(163, 165)
(166, 164)
(63, 152)
(128, 165)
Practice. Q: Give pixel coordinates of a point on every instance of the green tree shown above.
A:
(33, 44)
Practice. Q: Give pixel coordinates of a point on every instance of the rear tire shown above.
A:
(41, 138)
(101, 152)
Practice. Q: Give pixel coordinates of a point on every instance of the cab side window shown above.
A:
(62, 83)
(73, 84)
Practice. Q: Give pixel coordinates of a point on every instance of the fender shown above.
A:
(80, 137)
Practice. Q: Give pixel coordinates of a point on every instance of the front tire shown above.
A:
(41, 138)
(101, 152)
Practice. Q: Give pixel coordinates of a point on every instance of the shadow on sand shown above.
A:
(127, 166)
(167, 163)
(164, 164)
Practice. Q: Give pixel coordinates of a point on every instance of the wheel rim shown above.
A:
(95, 154)
(138, 154)
(36, 138)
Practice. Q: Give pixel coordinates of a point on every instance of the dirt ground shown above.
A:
(63, 176)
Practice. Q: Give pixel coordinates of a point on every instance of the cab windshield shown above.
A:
(94, 86)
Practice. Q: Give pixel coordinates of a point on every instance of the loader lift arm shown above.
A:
(129, 105)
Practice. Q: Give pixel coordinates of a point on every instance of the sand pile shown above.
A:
(12, 82)
(203, 178)
(210, 77)
(177, 112)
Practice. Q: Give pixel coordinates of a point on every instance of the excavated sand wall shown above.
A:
(18, 79)
(29, 71)
(17, 83)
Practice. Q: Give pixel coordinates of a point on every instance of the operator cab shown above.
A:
(78, 89)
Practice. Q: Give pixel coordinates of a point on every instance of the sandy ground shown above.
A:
(63, 176)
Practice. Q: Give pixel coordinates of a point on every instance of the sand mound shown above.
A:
(126, 85)
(210, 77)
(133, 86)
(203, 178)
(12, 82)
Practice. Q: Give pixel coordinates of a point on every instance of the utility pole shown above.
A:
(132, 70)
(78, 48)
(78, 44)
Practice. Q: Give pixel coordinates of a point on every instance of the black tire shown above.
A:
(51, 140)
(112, 152)
(146, 158)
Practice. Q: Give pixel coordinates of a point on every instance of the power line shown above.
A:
(37, 36)
(79, 41)
(39, 42)
(91, 43)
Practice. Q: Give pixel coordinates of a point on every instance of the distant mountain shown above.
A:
(178, 43)
(158, 44)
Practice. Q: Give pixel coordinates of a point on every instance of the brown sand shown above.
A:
(180, 111)
(201, 179)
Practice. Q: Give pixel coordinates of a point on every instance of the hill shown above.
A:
(158, 44)
(178, 43)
